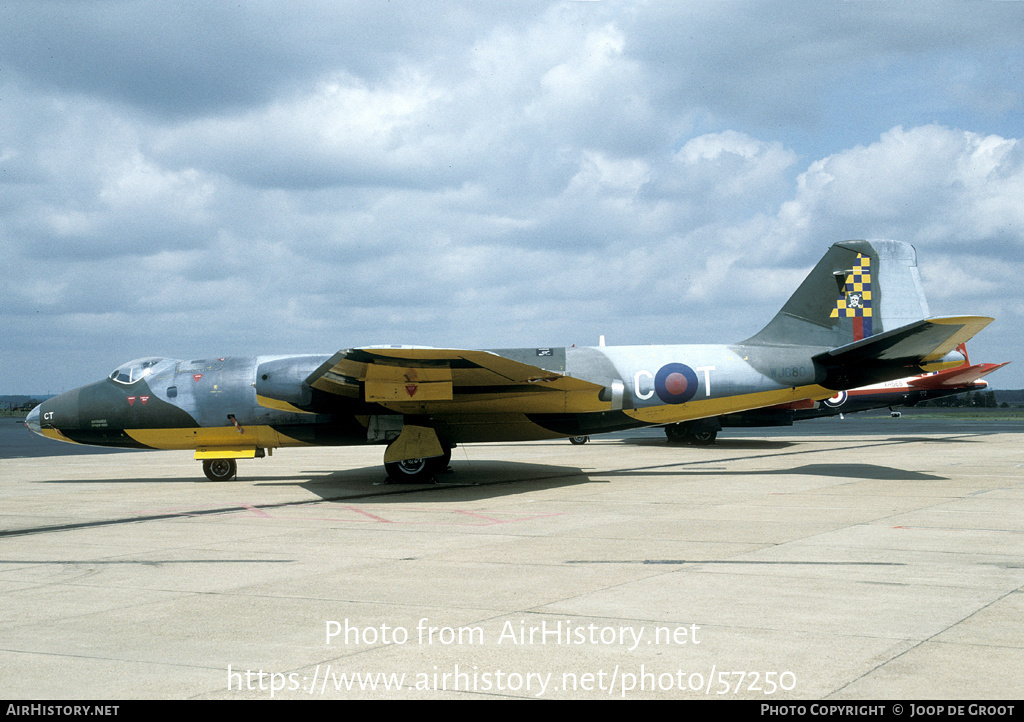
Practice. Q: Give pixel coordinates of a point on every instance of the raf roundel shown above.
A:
(836, 401)
(675, 383)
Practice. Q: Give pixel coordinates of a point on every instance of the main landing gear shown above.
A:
(220, 469)
(418, 471)
(699, 433)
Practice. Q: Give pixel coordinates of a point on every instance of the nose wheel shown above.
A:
(220, 469)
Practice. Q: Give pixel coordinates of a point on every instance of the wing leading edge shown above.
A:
(432, 379)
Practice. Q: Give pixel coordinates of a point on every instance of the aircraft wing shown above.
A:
(424, 375)
(960, 376)
(896, 353)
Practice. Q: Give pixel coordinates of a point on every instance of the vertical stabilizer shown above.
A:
(857, 290)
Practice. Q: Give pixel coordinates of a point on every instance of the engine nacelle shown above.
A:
(281, 383)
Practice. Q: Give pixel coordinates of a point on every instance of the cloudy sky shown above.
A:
(189, 179)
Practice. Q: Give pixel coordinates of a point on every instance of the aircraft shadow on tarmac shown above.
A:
(490, 479)
(724, 444)
(482, 479)
(467, 481)
(859, 471)
(841, 470)
(470, 481)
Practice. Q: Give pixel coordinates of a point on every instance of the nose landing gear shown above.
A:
(220, 469)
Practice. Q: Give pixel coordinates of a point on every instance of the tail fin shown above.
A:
(864, 303)
(857, 290)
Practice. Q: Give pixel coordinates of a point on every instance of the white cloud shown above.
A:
(932, 184)
(489, 176)
(722, 172)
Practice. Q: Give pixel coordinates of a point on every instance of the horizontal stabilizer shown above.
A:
(903, 351)
(960, 376)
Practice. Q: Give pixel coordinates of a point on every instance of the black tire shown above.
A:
(220, 469)
(578, 439)
(677, 433)
(415, 471)
(444, 459)
(703, 437)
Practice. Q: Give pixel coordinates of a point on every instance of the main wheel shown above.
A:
(578, 439)
(220, 469)
(677, 433)
(703, 437)
(414, 471)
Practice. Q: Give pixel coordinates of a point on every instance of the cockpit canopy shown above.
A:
(132, 371)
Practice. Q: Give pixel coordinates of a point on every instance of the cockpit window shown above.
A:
(132, 371)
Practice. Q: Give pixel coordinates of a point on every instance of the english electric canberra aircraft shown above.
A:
(859, 318)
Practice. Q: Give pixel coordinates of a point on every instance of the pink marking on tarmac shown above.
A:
(492, 520)
(437, 516)
(366, 513)
(258, 512)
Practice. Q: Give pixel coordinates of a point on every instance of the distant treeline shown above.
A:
(969, 400)
(1013, 398)
(18, 404)
(978, 400)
